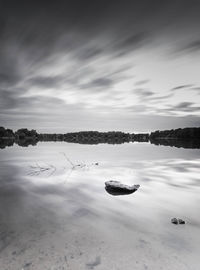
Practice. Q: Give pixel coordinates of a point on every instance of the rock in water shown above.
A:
(180, 221)
(116, 188)
(177, 221)
(174, 221)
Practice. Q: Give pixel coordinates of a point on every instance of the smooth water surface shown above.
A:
(56, 214)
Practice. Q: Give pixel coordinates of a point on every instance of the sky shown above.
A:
(100, 65)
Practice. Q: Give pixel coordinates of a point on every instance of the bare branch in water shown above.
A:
(38, 169)
(72, 164)
(79, 165)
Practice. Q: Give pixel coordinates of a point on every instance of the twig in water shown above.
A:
(72, 164)
(36, 170)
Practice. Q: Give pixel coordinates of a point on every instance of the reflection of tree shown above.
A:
(190, 144)
(179, 133)
(73, 165)
(185, 137)
(26, 142)
(6, 142)
(77, 166)
(180, 143)
(38, 169)
(49, 169)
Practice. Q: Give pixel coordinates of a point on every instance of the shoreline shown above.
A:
(186, 138)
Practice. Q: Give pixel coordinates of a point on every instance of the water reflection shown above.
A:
(61, 221)
(116, 192)
(179, 143)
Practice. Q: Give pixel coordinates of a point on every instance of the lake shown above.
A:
(56, 214)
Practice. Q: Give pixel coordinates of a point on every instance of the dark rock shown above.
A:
(180, 221)
(177, 221)
(27, 264)
(174, 221)
(115, 188)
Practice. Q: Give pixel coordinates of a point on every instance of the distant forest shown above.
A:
(181, 137)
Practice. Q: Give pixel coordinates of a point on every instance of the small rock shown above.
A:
(174, 221)
(93, 264)
(177, 221)
(27, 264)
(180, 221)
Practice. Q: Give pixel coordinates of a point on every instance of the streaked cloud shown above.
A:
(186, 107)
(45, 81)
(141, 82)
(192, 47)
(186, 86)
(88, 59)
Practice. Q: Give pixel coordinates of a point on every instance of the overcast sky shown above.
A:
(99, 65)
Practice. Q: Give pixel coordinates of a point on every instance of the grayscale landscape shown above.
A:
(99, 135)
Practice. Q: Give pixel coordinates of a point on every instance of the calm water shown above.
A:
(55, 213)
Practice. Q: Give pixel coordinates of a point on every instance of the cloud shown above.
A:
(45, 81)
(105, 82)
(189, 107)
(184, 86)
(193, 46)
(10, 70)
(8, 100)
(131, 43)
(17, 100)
(150, 96)
(98, 83)
(138, 83)
(88, 53)
(184, 105)
(143, 93)
(160, 98)
(72, 48)
(8, 79)
(11, 98)
(141, 109)
(196, 89)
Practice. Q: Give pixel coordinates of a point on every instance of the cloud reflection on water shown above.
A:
(43, 210)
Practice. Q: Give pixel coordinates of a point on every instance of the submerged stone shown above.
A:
(116, 188)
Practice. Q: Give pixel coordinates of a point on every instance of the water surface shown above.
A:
(56, 214)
